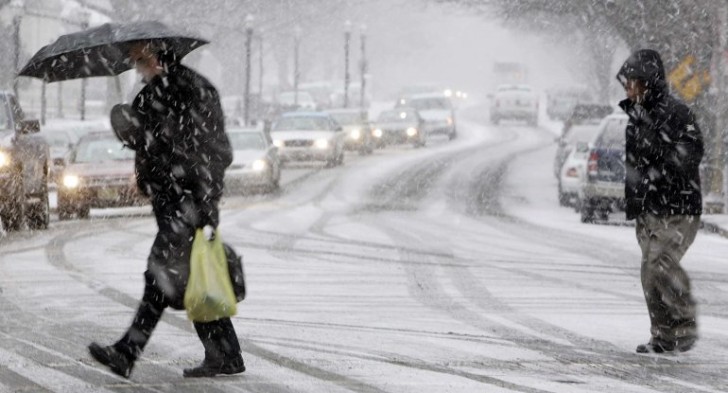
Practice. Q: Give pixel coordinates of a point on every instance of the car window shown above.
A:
(430, 103)
(246, 141)
(582, 133)
(94, 150)
(307, 123)
(613, 135)
(393, 116)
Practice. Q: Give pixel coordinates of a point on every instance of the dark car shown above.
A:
(99, 174)
(603, 190)
(356, 127)
(24, 168)
(61, 143)
(400, 125)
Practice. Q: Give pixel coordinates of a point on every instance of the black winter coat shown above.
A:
(664, 146)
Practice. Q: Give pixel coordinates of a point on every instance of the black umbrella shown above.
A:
(103, 50)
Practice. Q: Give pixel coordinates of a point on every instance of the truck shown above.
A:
(24, 168)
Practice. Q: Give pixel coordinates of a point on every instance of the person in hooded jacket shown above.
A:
(664, 148)
(181, 155)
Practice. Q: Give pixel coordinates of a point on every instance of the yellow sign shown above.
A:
(687, 81)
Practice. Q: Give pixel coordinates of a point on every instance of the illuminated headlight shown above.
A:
(4, 159)
(71, 181)
(411, 131)
(449, 121)
(278, 143)
(259, 165)
(355, 134)
(322, 144)
(377, 133)
(448, 93)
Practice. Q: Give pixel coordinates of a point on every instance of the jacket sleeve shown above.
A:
(684, 145)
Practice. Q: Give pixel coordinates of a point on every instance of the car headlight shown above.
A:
(411, 131)
(322, 143)
(4, 159)
(377, 133)
(278, 143)
(449, 121)
(355, 134)
(71, 181)
(259, 165)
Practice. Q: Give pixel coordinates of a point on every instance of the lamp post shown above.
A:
(16, 52)
(296, 70)
(363, 69)
(260, 65)
(84, 16)
(347, 39)
(248, 42)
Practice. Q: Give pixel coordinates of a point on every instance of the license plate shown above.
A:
(108, 193)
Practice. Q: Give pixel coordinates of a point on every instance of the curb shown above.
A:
(713, 228)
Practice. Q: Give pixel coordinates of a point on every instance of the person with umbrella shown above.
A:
(181, 155)
(176, 127)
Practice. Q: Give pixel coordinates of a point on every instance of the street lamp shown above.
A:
(84, 17)
(296, 70)
(16, 53)
(347, 39)
(260, 64)
(363, 68)
(248, 42)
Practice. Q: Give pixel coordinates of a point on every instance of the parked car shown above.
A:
(514, 102)
(561, 101)
(356, 127)
(99, 174)
(400, 125)
(290, 100)
(24, 168)
(309, 136)
(255, 161)
(437, 111)
(602, 191)
(573, 172)
(61, 143)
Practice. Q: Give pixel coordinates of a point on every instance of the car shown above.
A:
(24, 168)
(357, 128)
(437, 111)
(400, 125)
(561, 101)
(308, 136)
(602, 191)
(99, 174)
(61, 143)
(573, 172)
(255, 161)
(514, 102)
(290, 100)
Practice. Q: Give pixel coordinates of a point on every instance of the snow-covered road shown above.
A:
(444, 269)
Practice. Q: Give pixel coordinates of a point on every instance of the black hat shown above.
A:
(126, 124)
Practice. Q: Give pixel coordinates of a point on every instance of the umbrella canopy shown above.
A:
(103, 50)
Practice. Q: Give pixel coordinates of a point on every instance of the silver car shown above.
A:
(255, 162)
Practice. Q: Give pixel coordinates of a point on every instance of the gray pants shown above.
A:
(664, 241)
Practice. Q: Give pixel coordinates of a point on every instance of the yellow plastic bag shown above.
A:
(209, 294)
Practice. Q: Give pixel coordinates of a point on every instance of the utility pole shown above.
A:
(715, 200)
(296, 70)
(82, 105)
(248, 42)
(16, 53)
(363, 71)
(260, 65)
(347, 39)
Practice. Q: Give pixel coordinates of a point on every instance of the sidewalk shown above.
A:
(716, 223)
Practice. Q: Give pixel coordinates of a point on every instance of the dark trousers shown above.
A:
(218, 337)
(666, 285)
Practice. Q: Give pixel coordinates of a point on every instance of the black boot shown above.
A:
(222, 350)
(111, 357)
(210, 368)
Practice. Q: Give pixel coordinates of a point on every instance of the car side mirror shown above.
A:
(582, 147)
(27, 127)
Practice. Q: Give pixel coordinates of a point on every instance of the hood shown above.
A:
(435, 114)
(301, 135)
(6, 139)
(246, 156)
(102, 169)
(645, 65)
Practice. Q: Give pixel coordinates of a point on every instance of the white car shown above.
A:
(309, 136)
(570, 155)
(436, 110)
(255, 161)
(514, 102)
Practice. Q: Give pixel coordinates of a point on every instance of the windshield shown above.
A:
(614, 134)
(303, 123)
(347, 118)
(393, 116)
(430, 103)
(582, 133)
(101, 150)
(246, 141)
